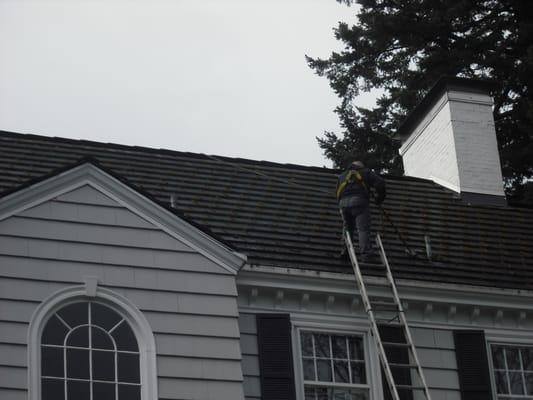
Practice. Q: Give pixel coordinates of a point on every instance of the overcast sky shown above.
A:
(225, 77)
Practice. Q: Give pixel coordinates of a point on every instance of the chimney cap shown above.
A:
(444, 83)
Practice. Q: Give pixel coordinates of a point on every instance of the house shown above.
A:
(137, 273)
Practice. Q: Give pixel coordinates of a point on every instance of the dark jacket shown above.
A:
(359, 190)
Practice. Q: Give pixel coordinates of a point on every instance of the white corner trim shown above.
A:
(136, 319)
(88, 174)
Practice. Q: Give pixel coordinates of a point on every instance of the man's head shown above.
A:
(357, 165)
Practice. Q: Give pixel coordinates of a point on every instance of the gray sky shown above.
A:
(224, 77)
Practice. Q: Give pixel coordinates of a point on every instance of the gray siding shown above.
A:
(435, 347)
(436, 350)
(250, 359)
(189, 301)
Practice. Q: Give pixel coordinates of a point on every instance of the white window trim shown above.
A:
(491, 364)
(128, 310)
(505, 338)
(371, 358)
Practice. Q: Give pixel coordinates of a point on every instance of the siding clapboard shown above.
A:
(436, 351)
(250, 356)
(188, 300)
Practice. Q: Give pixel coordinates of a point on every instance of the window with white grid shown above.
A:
(89, 352)
(513, 371)
(334, 366)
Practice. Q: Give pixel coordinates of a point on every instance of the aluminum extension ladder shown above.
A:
(372, 308)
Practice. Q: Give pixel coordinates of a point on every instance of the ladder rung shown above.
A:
(383, 304)
(395, 344)
(395, 365)
(389, 321)
(410, 387)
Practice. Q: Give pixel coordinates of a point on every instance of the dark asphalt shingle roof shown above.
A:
(286, 215)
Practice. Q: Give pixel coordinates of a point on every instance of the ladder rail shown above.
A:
(403, 319)
(362, 289)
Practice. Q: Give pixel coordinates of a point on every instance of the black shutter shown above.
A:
(275, 356)
(472, 365)
(398, 355)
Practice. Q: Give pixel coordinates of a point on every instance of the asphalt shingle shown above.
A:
(286, 215)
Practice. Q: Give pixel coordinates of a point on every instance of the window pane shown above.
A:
(501, 382)
(322, 393)
(77, 390)
(324, 370)
(54, 332)
(79, 337)
(513, 362)
(125, 338)
(517, 386)
(101, 339)
(104, 316)
(307, 344)
(497, 357)
(309, 369)
(339, 347)
(322, 345)
(341, 371)
(103, 391)
(129, 392)
(356, 348)
(349, 394)
(53, 389)
(527, 358)
(128, 368)
(78, 363)
(103, 365)
(52, 361)
(529, 383)
(75, 314)
(309, 393)
(358, 372)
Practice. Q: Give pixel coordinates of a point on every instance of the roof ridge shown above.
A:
(226, 159)
(162, 151)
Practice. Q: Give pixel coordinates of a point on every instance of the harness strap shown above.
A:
(352, 176)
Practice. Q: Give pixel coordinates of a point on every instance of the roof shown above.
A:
(286, 215)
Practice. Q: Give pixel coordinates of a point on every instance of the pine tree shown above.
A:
(403, 46)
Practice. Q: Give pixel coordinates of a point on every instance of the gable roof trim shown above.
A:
(90, 174)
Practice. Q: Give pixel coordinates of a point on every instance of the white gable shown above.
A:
(91, 206)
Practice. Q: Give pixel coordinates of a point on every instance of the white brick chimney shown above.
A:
(450, 139)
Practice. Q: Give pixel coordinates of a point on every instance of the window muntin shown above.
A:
(89, 352)
(512, 366)
(333, 366)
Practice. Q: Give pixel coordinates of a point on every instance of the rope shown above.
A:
(409, 251)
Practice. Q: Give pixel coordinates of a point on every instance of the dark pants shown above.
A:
(358, 216)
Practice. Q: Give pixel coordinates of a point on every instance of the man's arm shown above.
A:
(378, 183)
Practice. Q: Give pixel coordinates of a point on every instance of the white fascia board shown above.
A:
(89, 174)
(410, 290)
(445, 184)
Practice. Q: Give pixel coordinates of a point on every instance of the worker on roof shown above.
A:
(353, 194)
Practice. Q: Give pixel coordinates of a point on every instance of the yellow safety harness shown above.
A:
(352, 176)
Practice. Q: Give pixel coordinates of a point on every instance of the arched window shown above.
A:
(89, 351)
(90, 348)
